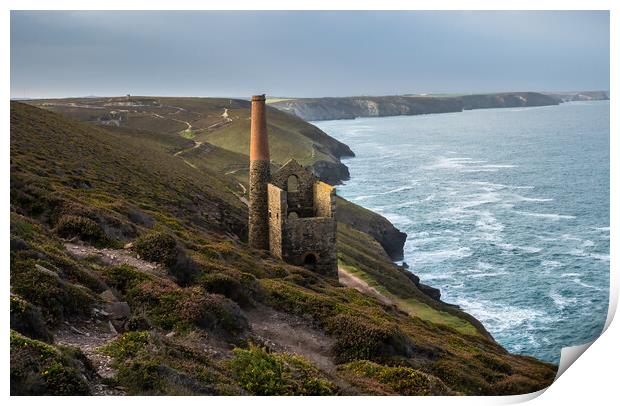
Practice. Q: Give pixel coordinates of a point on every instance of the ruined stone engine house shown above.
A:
(291, 212)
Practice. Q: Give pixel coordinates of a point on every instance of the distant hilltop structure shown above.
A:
(291, 213)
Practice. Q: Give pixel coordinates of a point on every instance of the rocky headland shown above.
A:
(338, 108)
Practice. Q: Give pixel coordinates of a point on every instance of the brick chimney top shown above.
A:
(259, 144)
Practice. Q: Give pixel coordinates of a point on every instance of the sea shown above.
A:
(506, 211)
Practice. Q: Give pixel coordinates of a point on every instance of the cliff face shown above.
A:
(391, 239)
(501, 100)
(336, 108)
(579, 96)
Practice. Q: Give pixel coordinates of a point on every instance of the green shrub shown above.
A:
(459, 376)
(212, 312)
(361, 338)
(261, 373)
(402, 380)
(124, 277)
(43, 288)
(41, 369)
(157, 247)
(85, 229)
(27, 320)
(127, 345)
(226, 285)
(169, 307)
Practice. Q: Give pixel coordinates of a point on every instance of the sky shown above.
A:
(305, 53)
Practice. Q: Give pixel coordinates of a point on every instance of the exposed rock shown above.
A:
(17, 244)
(430, 291)
(46, 271)
(108, 296)
(118, 310)
(391, 239)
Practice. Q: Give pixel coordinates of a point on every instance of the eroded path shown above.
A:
(350, 280)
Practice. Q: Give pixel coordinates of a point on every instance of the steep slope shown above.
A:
(129, 274)
(222, 122)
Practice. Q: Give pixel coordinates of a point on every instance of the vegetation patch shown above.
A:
(44, 288)
(157, 247)
(28, 320)
(150, 364)
(394, 379)
(85, 229)
(42, 369)
(360, 338)
(270, 374)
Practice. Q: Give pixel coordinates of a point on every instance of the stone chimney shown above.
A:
(258, 234)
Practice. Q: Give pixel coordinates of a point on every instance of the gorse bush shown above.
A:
(262, 373)
(127, 345)
(41, 369)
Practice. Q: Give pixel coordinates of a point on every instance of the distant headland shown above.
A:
(339, 108)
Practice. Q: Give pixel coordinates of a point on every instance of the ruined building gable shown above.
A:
(298, 184)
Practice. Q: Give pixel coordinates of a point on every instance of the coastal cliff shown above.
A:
(337, 108)
(130, 274)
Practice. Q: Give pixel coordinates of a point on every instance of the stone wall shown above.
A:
(324, 199)
(316, 236)
(258, 230)
(301, 201)
(277, 216)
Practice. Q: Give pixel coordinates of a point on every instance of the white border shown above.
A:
(594, 377)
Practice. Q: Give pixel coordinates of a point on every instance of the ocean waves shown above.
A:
(511, 223)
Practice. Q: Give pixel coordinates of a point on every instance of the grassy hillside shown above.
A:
(221, 122)
(130, 275)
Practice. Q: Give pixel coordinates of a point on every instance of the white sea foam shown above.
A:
(484, 275)
(551, 264)
(576, 252)
(588, 243)
(511, 247)
(585, 285)
(465, 164)
(550, 216)
(485, 265)
(570, 275)
(531, 199)
(441, 255)
(600, 257)
(397, 219)
(561, 301)
(398, 189)
(500, 316)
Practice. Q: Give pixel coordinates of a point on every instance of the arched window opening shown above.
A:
(292, 184)
(310, 261)
(293, 215)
